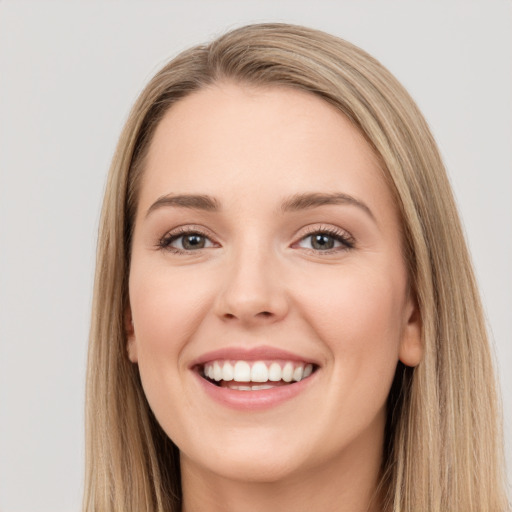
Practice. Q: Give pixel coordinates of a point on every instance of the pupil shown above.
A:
(322, 242)
(193, 242)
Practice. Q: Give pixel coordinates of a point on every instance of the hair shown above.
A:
(443, 442)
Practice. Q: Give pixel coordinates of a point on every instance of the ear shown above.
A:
(411, 345)
(131, 344)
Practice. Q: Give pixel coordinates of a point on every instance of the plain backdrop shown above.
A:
(69, 72)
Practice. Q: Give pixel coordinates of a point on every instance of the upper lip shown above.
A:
(250, 354)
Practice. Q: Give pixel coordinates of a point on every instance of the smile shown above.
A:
(254, 379)
(255, 375)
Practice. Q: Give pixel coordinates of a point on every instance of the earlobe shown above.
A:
(131, 345)
(411, 345)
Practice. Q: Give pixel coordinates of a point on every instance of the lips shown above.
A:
(270, 375)
(261, 352)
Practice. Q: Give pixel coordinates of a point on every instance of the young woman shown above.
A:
(285, 314)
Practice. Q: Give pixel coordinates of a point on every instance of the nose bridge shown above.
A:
(252, 290)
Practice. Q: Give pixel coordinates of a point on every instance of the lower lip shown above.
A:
(254, 400)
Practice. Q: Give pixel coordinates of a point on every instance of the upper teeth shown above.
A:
(257, 371)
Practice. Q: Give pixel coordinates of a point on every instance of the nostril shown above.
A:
(261, 314)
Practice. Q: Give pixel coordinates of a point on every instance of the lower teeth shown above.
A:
(251, 388)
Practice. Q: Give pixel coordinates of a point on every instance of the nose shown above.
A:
(252, 292)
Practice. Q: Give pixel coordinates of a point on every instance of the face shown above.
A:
(268, 291)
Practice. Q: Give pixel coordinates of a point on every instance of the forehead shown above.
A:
(246, 142)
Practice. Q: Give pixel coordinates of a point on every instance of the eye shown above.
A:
(326, 240)
(185, 241)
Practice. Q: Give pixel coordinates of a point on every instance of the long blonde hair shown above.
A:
(443, 447)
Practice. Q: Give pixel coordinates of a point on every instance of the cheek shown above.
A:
(359, 317)
(347, 307)
(167, 306)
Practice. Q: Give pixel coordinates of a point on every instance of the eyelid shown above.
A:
(163, 243)
(342, 235)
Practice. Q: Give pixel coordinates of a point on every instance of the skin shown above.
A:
(259, 281)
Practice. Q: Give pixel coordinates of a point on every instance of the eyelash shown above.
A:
(165, 242)
(337, 235)
(344, 238)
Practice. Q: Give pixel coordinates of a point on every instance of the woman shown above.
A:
(285, 315)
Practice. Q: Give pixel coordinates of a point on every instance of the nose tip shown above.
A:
(252, 296)
(251, 310)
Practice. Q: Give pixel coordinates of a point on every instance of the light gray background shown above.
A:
(69, 71)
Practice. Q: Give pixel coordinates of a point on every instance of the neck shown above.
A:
(346, 484)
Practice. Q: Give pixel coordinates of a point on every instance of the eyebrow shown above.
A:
(192, 201)
(316, 199)
(296, 202)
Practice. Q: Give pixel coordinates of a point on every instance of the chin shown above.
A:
(255, 470)
(251, 461)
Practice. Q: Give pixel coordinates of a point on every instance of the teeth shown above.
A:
(258, 371)
(217, 371)
(251, 388)
(288, 372)
(242, 372)
(228, 373)
(274, 372)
